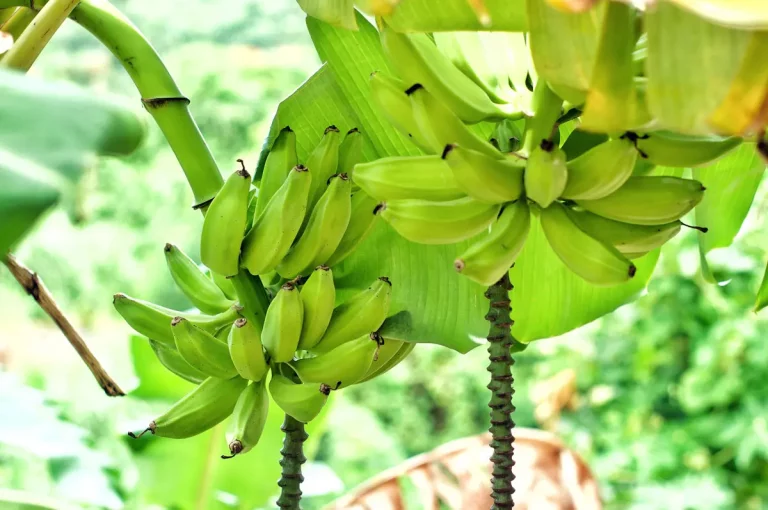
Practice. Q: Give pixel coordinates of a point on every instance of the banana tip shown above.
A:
(242, 172)
(459, 265)
(118, 296)
(385, 280)
(632, 270)
(239, 323)
(413, 88)
(447, 149)
(353, 130)
(288, 286)
(325, 389)
(176, 320)
(379, 207)
(330, 128)
(300, 168)
(322, 267)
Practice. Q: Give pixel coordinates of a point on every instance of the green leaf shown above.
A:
(339, 13)
(457, 15)
(744, 14)
(762, 293)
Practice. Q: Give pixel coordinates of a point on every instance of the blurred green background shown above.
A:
(669, 405)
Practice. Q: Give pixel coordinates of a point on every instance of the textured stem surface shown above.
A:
(499, 344)
(293, 458)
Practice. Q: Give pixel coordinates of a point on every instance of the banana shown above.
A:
(246, 351)
(395, 178)
(300, 401)
(488, 258)
(324, 230)
(252, 297)
(224, 225)
(199, 410)
(422, 221)
(224, 284)
(416, 59)
(600, 171)
(274, 231)
(350, 152)
(172, 360)
(439, 126)
(282, 327)
(386, 350)
(322, 164)
(593, 260)
(486, 179)
(318, 296)
(202, 350)
(546, 174)
(280, 160)
(627, 238)
(200, 289)
(362, 313)
(665, 148)
(154, 321)
(361, 222)
(405, 349)
(392, 103)
(648, 200)
(377, 7)
(340, 367)
(248, 419)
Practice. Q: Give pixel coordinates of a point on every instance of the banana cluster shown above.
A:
(597, 210)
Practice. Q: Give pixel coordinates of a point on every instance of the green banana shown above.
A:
(282, 327)
(393, 104)
(486, 179)
(274, 231)
(490, 257)
(350, 151)
(322, 164)
(600, 171)
(405, 349)
(248, 419)
(172, 360)
(202, 350)
(361, 222)
(154, 321)
(224, 284)
(395, 178)
(593, 260)
(318, 296)
(422, 221)
(648, 200)
(246, 351)
(665, 148)
(224, 225)
(199, 410)
(324, 230)
(300, 401)
(340, 367)
(439, 126)
(280, 160)
(386, 350)
(416, 59)
(546, 175)
(200, 289)
(362, 313)
(629, 239)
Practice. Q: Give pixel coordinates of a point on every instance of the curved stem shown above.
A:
(547, 107)
(293, 458)
(18, 22)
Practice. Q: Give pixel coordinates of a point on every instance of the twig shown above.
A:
(35, 287)
(293, 458)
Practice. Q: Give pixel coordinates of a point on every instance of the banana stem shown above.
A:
(18, 22)
(293, 458)
(33, 40)
(252, 296)
(500, 342)
(547, 107)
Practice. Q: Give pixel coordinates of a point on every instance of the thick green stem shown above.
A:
(547, 107)
(18, 22)
(500, 342)
(253, 297)
(33, 40)
(293, 458)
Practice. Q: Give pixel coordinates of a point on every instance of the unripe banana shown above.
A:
(200, 289)
(340, 367)
(282, 326)
(665, 148)
(487, 259)
(350, 151)
(274, 231)
(361, 222)
(362, 313)
(154, 321)
(600, 171)
(322, 164)
(629, 239)
(246, 351)
(202, 350)
(546, 174)
(422, 221)
(393, 104)
(395, 178)
(324, 230)
(300, 401)
(486, 179)
(439, 126)
(416, 59)
(248, 419)
(199, 410)
(648, 200)
(318, 296)
(405, 349)
(386, 350)
(593, 260)
(172, 360)
(224, 284)
(224, 225)
(280, 160)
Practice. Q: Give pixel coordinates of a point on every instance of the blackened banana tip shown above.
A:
(458, 265)
(385, 279)
(447, 149)
(343, 176)
(239, 323)
(168, 247)
(176, 320)
(353, 130)
(379, 207)
(330, 128)
(243, 172)
(300, 168)
(413, 88)
(323, 267)
(325, 389)
(632, 270)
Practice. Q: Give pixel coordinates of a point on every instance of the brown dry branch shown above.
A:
(35, 287)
